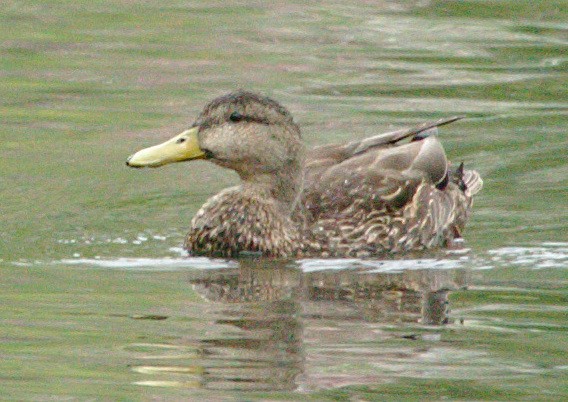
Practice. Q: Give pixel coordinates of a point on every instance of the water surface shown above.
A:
(98, 300)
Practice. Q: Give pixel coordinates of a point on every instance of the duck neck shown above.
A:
(283, 186)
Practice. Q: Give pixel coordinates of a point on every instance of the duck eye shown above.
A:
(179, 141)
(235, 117)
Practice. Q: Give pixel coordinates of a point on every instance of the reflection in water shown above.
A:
(269, 326)
(256, 339)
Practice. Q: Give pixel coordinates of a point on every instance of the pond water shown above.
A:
(99, 301)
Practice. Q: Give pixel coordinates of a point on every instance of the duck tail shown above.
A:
(469, 181)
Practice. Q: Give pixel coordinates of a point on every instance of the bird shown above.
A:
(386, 194)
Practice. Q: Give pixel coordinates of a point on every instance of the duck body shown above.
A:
(389, 193)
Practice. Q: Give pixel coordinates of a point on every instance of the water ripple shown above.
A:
(548, 255)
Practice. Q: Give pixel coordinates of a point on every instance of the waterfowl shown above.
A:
(389, 193)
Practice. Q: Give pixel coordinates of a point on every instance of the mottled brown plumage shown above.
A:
(364, 198)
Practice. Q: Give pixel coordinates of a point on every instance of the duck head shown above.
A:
(251, 134)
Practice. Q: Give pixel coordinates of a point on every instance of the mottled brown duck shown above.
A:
(389, 193)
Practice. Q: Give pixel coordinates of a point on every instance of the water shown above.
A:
(456, 325)
(99, 301)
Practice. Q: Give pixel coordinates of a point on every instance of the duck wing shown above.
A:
(326, 156)
(380, 177)
(407, 187)
(380, 166)
(383, 194)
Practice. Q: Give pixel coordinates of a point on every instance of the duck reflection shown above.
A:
(256, 335)
(271, 322)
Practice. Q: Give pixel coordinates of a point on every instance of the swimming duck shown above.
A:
(389, 193)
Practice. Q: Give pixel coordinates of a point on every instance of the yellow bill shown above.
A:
(182, 147)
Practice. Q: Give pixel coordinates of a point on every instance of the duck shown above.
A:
(386, 194)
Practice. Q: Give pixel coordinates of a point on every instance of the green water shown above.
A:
(98, 300)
